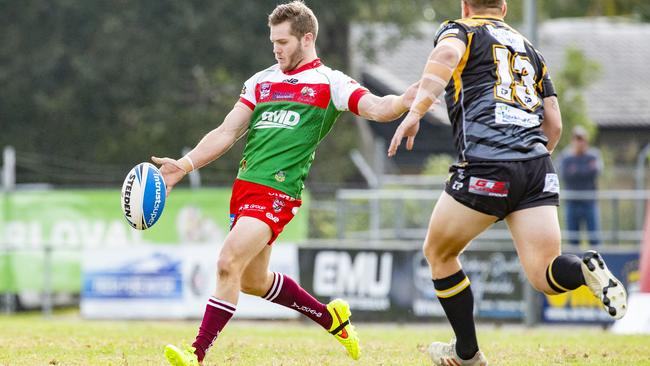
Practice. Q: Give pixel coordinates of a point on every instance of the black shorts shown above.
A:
(500, 187)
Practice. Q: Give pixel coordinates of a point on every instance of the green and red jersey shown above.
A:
(292, 113)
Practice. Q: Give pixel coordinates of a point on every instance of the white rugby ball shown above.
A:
(143, 196)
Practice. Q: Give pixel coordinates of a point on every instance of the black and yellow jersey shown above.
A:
(495, 96)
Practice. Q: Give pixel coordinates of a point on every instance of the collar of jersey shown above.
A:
(485, 17)
(312, 65)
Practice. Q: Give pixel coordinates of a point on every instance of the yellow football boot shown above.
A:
(342, 329)
(181, 357)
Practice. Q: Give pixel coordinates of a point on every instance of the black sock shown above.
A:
(565, 273)
(456, 298)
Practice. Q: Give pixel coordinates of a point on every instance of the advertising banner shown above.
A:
(497, 281)
(396, 284)
(167, 282)
(70, 221)
(74, 219)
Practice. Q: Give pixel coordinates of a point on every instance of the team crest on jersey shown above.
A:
(265, 90)
(280, 176)
(278, 205)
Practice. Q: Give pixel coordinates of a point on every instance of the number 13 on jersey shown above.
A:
(515, 78)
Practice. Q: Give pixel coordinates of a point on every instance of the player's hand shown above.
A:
(171, 171)
(409, 94)
(408, 128)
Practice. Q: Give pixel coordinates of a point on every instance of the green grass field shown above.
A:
(66, 339)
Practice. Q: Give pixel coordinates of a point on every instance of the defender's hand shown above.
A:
(409, 94)
(408, 128)
(171, 170)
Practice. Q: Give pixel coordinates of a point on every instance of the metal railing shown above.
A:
(396, 214)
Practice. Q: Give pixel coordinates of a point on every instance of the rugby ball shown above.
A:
(143, 196)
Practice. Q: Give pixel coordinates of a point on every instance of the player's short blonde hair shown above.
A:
(302, 19)
(485, 4)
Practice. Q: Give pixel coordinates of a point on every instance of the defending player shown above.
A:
(506, 121)
(287, 109)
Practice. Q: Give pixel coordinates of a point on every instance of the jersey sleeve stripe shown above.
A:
(248, 103)
(353, 102)
(458, 81)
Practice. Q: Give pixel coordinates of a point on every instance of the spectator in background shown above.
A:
(580, 166)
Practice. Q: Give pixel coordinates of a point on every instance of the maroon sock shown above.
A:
(286, 292)
(217, 314)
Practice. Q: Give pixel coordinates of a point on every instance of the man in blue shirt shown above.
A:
(580, 166)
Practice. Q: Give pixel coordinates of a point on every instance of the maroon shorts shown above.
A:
(264, 203)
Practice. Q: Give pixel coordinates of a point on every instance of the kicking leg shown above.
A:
(451, 228)
(283, 290)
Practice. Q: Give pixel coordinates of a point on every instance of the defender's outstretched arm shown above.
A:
(440, 66)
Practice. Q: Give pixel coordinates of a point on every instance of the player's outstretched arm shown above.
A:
(440, 66)
(552, 125)
(387, 108)
(214, 144)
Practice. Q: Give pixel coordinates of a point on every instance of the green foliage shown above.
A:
(114, 83)
(578, 8)
(451, 9)
(578, 72)
(438, 165)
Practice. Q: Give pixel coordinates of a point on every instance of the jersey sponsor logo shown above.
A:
(253, 207)
(508, 38)
(507, 115)
(487, 187)
(313, 94)
(290, 81)
(281, 195)
(552, 183)
(308, 92)
(278, 119)
(273, 218)
(281, 95)
(243, 90)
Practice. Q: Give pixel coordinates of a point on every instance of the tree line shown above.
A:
(111, 83)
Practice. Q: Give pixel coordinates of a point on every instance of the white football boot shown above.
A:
(602, 283)
(444, 354)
